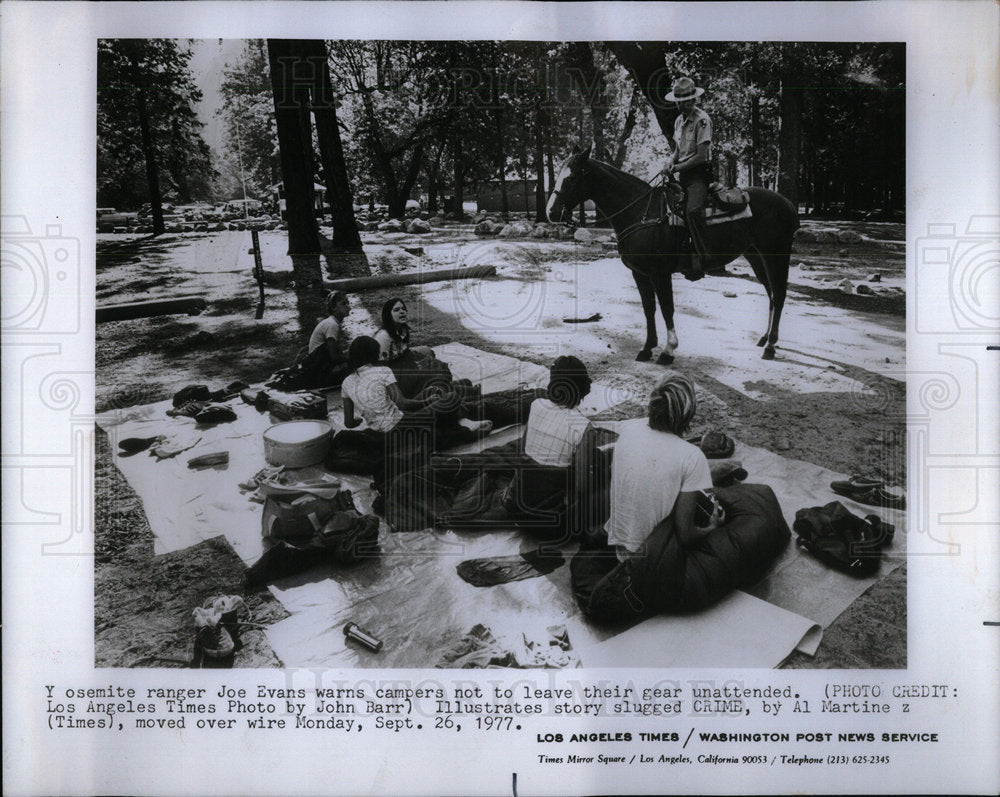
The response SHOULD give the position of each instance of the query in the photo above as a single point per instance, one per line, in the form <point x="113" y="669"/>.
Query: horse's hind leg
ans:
<point x="772" y="271"/>
<point x="648" y="296"/>
<point x="760" y="272"/>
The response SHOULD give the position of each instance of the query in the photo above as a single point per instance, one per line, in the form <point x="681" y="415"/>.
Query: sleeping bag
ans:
<point x="669" y="578"/>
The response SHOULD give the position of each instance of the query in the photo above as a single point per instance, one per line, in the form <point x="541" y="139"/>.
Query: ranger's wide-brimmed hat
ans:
<point x="684" y="89"/>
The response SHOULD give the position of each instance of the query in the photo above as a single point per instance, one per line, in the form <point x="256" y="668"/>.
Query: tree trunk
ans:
<point x="459" y="173"/>
<point x="589" y="82"/>
<point x="583" y="211"/>
<point x="626" y="132"/>
<point x="499" y="132"/>
<point x="148" y="151"/>
<point x="789" y="138"/>
<point x="523" y="170"/>
<point x="539" y="166"/>
<point x="502" y="170"/>
<point x="291" y="103"/>
<point x="412" y="173"/>
<point x="755" y="178"/>
<point x="645" y="63"/>
<point x="331" y="148"/>
<point x="432" y="190"/>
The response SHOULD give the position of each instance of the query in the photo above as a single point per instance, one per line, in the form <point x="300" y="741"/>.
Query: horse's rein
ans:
<point x="645" y="222"/>
<point x="648" y="196"/>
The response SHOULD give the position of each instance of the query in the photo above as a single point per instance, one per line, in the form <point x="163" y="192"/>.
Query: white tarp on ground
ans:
<point x="412" y="597"/>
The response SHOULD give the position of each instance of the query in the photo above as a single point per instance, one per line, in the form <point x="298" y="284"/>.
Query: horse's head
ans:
<point x="569" y="191"/>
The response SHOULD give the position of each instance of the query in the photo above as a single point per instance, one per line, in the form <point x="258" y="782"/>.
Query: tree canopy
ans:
<point x="823" y="123"/>
<point x="149" y="142"/>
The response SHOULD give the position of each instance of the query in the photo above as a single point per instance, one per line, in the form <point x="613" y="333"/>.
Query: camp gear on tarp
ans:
<point x="296" y="444"/>
<point x="842" y="540"/>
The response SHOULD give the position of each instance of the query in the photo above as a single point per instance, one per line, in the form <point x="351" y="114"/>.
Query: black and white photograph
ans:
<point x="500" y="397"/>
<point x="500" y="354"/>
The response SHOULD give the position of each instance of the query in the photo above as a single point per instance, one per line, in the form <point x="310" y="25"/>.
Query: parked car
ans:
<point x="108" y="222"/>
<point x="235" y="208"/>
<point x="146" y="211"/>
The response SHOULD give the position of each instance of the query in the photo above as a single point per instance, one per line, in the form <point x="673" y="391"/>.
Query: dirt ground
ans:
<point x="832" y="336"/>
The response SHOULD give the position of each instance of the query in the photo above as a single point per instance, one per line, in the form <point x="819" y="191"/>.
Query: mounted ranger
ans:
<point x="651" y="241"/>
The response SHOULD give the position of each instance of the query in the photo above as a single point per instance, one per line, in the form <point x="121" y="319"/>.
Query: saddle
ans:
<point x="723" y="203"/>
<point x="666" y="203"/>
<point x="729" y="200"/>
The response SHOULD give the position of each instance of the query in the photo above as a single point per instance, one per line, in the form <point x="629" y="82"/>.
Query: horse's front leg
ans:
<point x="648" y="296"/>
<point x="665" y="293"/>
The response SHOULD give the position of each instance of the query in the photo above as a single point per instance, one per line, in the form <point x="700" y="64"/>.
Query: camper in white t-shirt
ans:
<point x="655" y="471"/>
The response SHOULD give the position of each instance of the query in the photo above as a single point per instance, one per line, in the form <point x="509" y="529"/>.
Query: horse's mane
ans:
<point x="638" y="182"/>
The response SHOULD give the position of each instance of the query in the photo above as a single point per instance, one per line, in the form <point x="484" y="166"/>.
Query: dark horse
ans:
<point x="651" y="248"/>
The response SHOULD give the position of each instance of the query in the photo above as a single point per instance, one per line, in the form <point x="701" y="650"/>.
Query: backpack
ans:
<point x="842" y="540"/>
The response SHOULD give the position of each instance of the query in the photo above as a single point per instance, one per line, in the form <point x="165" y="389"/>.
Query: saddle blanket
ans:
<point x="712" y="216"/>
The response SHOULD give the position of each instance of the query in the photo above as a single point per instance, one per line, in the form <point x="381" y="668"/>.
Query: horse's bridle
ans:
<point x="633" y="228"/>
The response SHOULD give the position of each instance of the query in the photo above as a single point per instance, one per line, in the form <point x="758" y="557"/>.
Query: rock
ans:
<point x="392" y="225"/>
<point x="729" y="294"/>
<point x="865" y="290"/>
<point x="604" y="239"/>
<point x="436" y="221"/>
<point x="485" y="227"/>
<point x="802" y="234"/>
<point x="826" y="237"/>
<point x="418" y="227"/>
<point x="418" y="251"/>
<point x="876" y="277"/>
<point x="515" y="229"/>
<point x="849" y="237"/>
<point x="540" y="231"/>
<point x="583" y="235"/>
<point x="846" y="286"/>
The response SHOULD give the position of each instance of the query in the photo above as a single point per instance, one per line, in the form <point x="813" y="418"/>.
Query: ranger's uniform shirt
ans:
<point x="690" y="132"/>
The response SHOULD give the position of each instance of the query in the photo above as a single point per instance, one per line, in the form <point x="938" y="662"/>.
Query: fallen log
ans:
<point x="408" y="278"/>
<point x="192" y="305"/>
